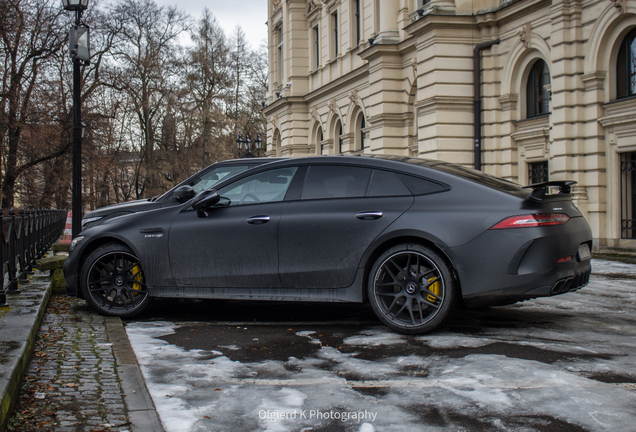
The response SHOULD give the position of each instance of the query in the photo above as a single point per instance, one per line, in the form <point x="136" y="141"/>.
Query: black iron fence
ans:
<point x="24" y="238"/>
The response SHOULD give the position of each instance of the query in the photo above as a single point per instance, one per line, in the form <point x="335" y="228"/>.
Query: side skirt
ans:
<point x="351" y="294"/>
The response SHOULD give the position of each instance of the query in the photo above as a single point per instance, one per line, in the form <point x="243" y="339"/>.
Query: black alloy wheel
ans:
<point x="113" y="282"/>
<point x="412" y="289"/>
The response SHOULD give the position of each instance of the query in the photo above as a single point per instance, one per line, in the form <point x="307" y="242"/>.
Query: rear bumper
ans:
<point x="505" y="266"/>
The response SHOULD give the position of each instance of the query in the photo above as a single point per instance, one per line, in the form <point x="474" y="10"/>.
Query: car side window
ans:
<point x="328" y="181"/>
<point x="268" y="186"/>
<point x="214" y="176"/>
<point x="420" y="186"/>
<point x="387" y="183"/>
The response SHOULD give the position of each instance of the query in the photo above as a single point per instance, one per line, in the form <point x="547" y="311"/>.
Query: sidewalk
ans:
<point x="82" y="375"/>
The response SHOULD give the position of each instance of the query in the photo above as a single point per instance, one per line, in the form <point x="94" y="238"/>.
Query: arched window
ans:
<point x="277" y="141"/>
<point x="537" y="95"/>
<point x="626" y="67"/>
<point x="320" y="138"/>
<point x="359" y="132"/>
<point x="362" y="126"/>
<point x="338" y="136"/>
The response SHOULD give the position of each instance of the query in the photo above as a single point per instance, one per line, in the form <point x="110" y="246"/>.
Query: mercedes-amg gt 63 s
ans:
<point x="414" y="237"/>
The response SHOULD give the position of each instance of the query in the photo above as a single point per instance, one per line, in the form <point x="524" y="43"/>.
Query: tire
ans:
<point x="113" y="282"/>
<point x="412" y="289"/>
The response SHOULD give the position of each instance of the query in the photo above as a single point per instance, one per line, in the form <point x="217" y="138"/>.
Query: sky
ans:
<point x="251" y="15"/>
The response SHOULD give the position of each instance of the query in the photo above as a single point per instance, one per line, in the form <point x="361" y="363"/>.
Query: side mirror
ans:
<point x="204" y="200"/>
<point x="184" y="193"/>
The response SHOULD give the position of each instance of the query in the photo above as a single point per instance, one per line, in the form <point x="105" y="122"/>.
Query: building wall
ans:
<point x="411" y="78"/>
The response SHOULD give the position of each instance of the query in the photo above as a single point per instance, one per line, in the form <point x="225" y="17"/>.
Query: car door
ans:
<point x="236" y="244"/>
<point x="324" y="234"/>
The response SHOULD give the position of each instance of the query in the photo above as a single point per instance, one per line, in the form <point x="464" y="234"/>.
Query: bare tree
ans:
<point x="157" y="110"/>
<point x="249" y="73"/>
<point x="239" y="58"/>
<point x="31" y="34"/>
<point x="208" y="81"/>
<point x="144" y="55"/>
<point x="257" y="92"/>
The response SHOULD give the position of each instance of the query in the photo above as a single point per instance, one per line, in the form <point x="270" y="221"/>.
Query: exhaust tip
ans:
<point x="561" y="286"/>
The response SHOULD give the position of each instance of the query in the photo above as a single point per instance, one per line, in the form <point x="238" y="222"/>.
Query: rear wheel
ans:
<point x="113" y="282"/>
<point x="412" y="290"/>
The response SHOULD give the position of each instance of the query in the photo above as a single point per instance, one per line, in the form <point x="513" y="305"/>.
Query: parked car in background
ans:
<point x="187" y="189"/>
<point x="413" y="237"/>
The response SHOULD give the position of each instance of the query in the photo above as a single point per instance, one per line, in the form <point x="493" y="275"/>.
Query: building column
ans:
<point x="571" y="151"/>
<point x="388" y="33"/>
<point x="385" y="101"/>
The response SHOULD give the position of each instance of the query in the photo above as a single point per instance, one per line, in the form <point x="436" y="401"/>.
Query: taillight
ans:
<point x="532" y="220"/>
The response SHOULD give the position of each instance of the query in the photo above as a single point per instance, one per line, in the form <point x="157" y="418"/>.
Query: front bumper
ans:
<point x="71" y="266"/>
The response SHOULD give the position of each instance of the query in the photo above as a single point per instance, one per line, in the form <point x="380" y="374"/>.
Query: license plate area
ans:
<point x="584" y="252"/>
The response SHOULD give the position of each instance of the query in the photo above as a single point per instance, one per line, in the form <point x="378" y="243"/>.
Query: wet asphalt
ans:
<point x="555" y="364"/>
<point x="255" y="327"/>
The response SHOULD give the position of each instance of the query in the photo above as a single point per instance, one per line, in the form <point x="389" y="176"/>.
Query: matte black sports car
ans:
<point x="187" y="189"/>
<point x="414" y="237"/>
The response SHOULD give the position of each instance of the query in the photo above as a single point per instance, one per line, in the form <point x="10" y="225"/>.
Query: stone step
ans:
<point x="51" y="263"/>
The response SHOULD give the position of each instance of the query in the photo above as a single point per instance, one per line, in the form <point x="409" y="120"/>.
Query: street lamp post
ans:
<point x="240" y="143"/>
<point x="79" y="51"/>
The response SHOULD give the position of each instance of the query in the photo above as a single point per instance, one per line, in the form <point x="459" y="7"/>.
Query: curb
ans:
<point x="141" y="409"/>
<point x="19" y="328"/>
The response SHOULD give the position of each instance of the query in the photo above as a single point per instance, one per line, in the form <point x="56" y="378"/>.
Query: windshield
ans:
<point x="214" y="176"/>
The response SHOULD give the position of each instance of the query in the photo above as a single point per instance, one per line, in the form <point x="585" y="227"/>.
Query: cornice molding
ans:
<point x="594" y="80"/>
<point x="528" y="134"/>
<point x="508" y="101"/>
<point x="618" y="119"/>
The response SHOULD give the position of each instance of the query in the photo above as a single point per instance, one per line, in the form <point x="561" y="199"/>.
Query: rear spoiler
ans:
<point x="539" y="189"/>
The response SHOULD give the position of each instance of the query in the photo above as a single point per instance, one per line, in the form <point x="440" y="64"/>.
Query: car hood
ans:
<point x="126" y="225"/>
<point x="125" y="207"/>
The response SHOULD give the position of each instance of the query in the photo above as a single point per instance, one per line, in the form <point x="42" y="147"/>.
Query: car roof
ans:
<point x="435" y="169"/>
<point x="248" y="161"/>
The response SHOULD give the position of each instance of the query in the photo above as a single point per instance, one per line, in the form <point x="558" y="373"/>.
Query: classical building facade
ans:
<point x="527" y="90"/>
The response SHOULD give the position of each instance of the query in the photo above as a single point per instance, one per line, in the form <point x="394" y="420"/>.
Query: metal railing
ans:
<point x="24" y="238"/>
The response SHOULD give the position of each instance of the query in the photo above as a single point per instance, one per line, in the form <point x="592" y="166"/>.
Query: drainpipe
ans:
<point x="477" y="102"/>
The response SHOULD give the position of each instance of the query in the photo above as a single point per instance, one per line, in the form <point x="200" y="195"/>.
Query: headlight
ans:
<point x="75" y="242"/>
<point x="91" y="219"/>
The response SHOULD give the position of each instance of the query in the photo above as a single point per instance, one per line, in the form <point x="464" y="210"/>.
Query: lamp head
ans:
<point x="75" y="5"/>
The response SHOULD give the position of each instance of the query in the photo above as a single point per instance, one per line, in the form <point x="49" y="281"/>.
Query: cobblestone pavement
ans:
<point x="71" y="383"/>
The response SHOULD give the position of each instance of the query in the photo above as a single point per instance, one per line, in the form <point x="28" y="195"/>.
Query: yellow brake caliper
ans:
<point x="436" y="289"/>
<point x="137" y="270"/>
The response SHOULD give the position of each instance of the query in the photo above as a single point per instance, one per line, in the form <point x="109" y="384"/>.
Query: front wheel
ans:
<point x="113" y="282"/>
<point x="412" y="290"/>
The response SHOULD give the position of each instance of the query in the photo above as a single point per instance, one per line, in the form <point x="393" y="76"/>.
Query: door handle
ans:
<point x="369" y="215"/>
<point x="256" y="220"/>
